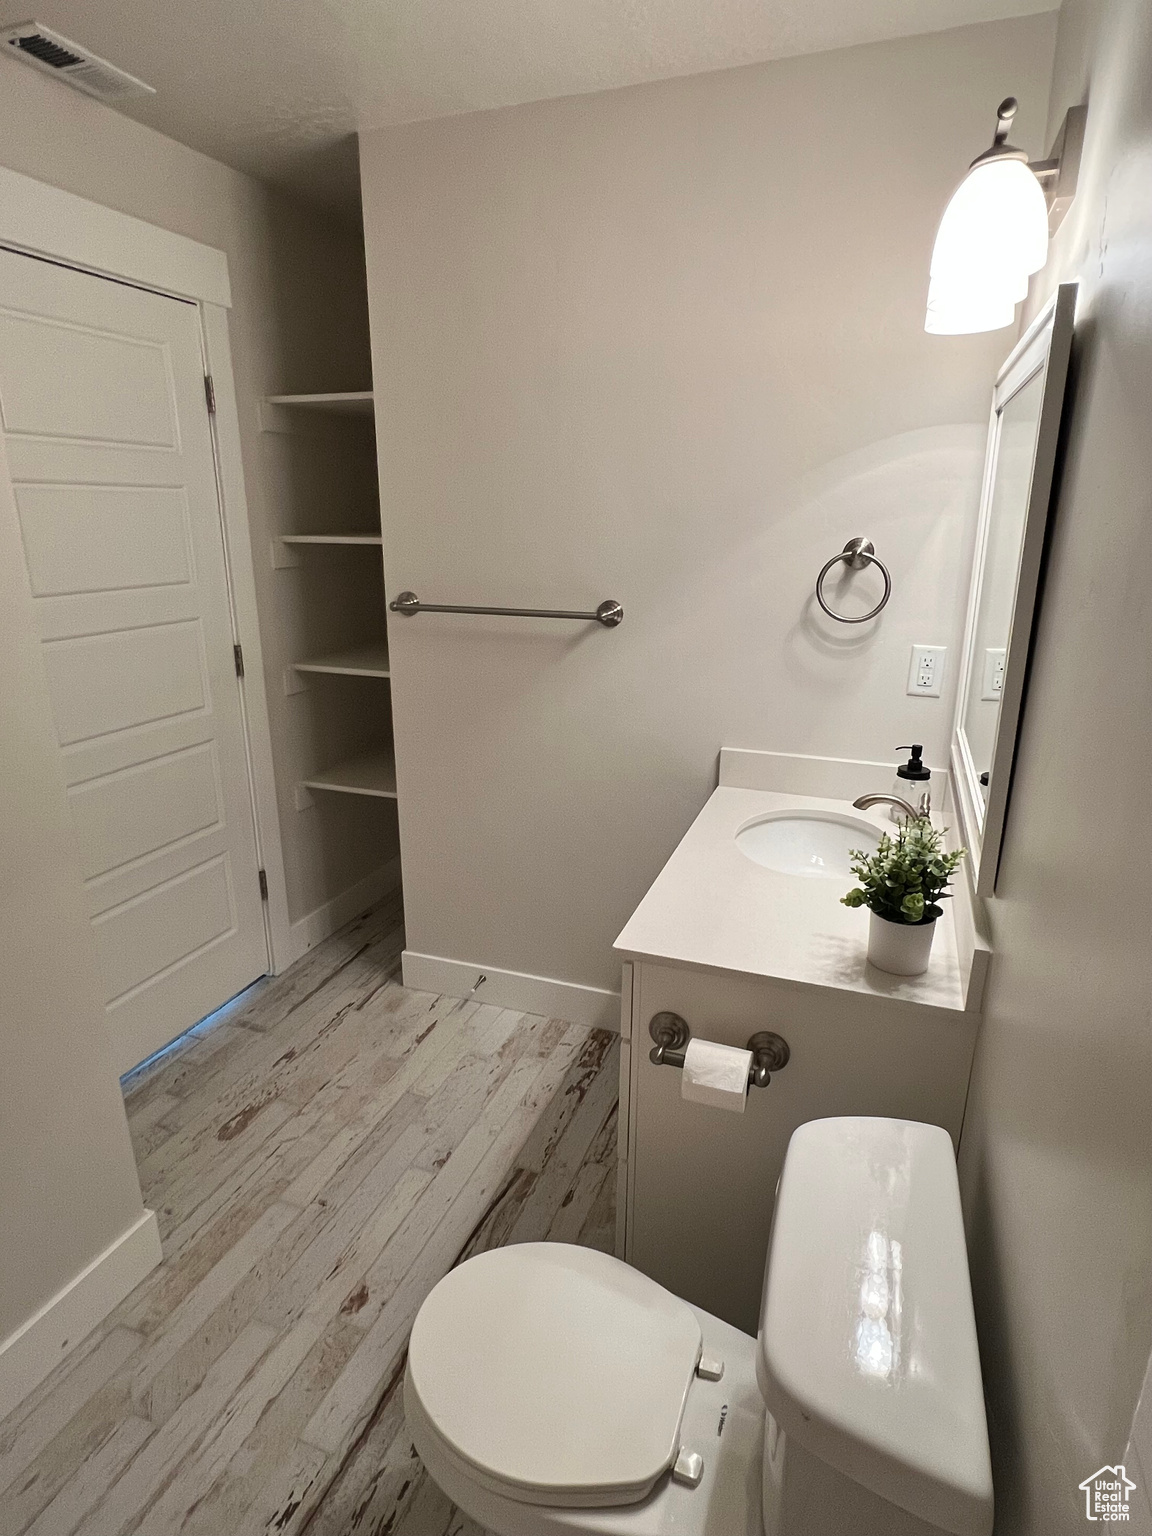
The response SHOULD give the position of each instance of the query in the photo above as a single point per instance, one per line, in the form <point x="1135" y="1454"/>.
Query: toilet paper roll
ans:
<point x="716" y="1075"/>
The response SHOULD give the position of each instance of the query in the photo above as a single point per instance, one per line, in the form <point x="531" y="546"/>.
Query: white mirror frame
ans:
<point x="1044" y="348"/>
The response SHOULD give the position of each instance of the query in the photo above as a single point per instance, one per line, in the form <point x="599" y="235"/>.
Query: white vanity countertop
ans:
<point x="713" y="906"/>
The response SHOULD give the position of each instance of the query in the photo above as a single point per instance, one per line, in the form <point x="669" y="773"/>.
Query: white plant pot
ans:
<point x="903" y="949"/>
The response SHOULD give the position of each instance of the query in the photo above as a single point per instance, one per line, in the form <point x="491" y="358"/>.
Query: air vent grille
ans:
<point x="55" y="55"/>
<point x="47" y="52"/>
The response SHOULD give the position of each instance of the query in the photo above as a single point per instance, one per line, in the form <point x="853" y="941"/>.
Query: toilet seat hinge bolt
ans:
<point x="688" y="1469"/>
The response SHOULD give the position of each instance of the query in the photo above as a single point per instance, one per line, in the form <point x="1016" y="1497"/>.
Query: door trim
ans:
<point x="47" y="221"/>
<point x="40" y="220"/>
<point x="242" y="589"/>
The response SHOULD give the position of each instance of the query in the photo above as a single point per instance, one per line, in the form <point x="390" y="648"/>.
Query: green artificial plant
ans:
<point x="907" y="877"/>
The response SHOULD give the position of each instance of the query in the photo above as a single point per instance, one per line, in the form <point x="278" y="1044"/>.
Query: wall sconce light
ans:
<point x="995" y="230"/>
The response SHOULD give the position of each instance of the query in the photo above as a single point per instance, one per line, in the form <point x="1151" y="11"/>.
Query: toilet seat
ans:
<point x="551" y="1374"/>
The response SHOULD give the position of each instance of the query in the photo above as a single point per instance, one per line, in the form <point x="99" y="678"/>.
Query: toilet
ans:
<point x="555" y="1389"/>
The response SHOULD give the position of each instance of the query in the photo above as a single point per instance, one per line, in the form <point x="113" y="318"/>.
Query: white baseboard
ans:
<point x="38" y="1345"/>
<point x="306" y="932"/>
<point x="593" y="1006"/>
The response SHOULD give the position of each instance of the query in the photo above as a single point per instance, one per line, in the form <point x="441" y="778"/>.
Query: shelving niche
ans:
<point x="323" y="464"/>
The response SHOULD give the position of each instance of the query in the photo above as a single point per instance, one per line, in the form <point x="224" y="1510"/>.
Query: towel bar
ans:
<point x="609" y="613"/>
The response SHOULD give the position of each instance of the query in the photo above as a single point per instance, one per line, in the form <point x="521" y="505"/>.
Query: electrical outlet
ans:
<point x="993" y="682"/>
<point x="926" y="670"/>
<point x="303" y="797"/>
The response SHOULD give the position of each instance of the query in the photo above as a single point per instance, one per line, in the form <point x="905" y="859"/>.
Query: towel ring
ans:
<point x="856" y="554"/>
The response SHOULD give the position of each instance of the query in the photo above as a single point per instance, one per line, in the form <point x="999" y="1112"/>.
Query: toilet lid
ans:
<point x="554" y="1374"/>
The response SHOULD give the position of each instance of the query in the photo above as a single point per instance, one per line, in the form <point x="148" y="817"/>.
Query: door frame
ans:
<point x="40" y="220"/>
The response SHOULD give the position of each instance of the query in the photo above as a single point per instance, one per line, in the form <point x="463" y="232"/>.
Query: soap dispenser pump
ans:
<point x="912" y="778"/>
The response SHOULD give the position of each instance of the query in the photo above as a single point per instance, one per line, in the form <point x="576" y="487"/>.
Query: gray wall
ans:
<point x="1056" y="1159"/>
<point x="665" y="344"/>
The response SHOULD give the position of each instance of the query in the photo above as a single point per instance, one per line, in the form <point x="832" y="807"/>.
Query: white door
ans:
<point x="103" y="410"/>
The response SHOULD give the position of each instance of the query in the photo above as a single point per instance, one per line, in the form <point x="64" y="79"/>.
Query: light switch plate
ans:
<point x="926" y="670"/>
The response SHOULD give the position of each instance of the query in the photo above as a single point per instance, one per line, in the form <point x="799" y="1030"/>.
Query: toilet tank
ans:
<point x="867" y="1356"/>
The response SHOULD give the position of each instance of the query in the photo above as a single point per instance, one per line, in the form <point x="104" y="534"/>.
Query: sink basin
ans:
<point x="812" y="844"/>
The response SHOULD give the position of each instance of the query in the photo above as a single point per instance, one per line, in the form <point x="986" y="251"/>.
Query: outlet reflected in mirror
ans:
<point x="1019" y="421"/>
<point x="1027" y="403"/>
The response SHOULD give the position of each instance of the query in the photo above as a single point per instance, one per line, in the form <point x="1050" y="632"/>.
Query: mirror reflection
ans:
<point x="1012" y="476"/>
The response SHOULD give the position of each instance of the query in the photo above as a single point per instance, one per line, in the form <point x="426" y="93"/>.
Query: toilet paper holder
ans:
<point x="770" y="1052"/>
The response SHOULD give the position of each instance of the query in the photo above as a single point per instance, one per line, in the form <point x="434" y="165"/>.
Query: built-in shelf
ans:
<point x="369" y="773"/>
<point x="356" y="402"/>
<point x="331" y="538"/>
<point x="294" y="413"/>
<point x="323" y="425"/>
<point x="358" y="661"/>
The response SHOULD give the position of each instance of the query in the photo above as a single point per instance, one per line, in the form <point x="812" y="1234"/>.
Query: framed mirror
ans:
<point x="1022" y="436"/>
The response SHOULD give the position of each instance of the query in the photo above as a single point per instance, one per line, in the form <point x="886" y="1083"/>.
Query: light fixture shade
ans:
<point x="975" y="284"/>
<point x="958" y="314"/>
<point x="995" y="228"/>
<point x="977" y="302"/>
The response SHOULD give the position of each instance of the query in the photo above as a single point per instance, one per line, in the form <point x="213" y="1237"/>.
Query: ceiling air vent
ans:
<point x="58" y="56"/>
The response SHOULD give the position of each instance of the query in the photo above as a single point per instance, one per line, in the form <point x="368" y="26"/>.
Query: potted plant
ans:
<point x="902" y="884"/>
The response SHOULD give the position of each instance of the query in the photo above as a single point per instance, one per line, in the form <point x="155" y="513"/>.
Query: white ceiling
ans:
<point x="278" y="87"/>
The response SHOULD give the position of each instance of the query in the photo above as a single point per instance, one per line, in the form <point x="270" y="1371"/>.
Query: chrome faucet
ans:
<point x="865" y="803"/>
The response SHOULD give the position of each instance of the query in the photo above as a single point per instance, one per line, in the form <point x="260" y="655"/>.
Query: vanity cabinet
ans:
<point x="736" y="942"/>
<point x="699" y="1182"/>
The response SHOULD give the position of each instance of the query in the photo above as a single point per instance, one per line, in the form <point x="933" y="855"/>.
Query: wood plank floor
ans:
<point x="318" y="1157"/>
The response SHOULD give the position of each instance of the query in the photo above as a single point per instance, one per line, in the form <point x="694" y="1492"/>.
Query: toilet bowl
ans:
<point x="554" y="1389"/>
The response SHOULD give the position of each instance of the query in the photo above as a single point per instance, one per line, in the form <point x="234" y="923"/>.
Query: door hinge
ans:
<point x="262" y="876"/>
<point x="238" y="658"/>
<point x="210" y="394"/>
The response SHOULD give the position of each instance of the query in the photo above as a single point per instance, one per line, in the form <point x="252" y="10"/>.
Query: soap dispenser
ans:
<point x="912" y="779"/>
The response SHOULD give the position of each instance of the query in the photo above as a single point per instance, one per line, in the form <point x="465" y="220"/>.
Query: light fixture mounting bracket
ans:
<point x="1059" y="172"/>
